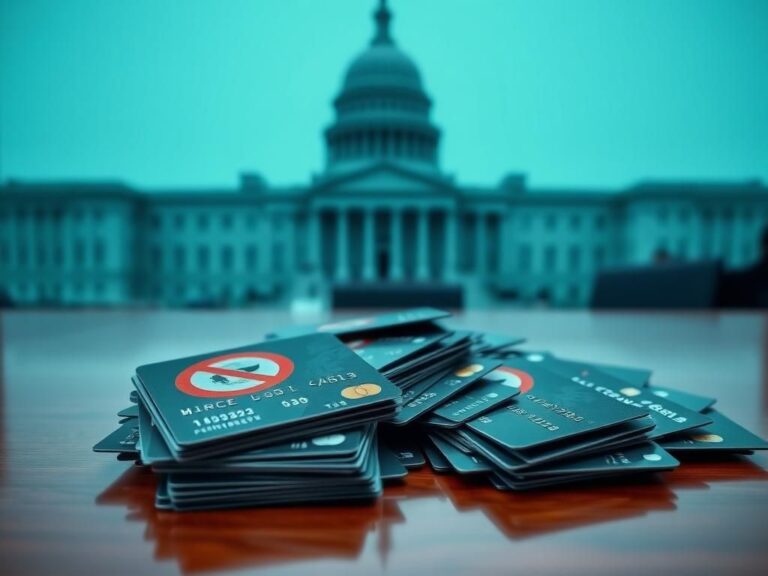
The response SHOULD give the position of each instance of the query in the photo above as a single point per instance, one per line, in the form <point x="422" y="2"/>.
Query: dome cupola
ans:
<point x="382" y="111"/>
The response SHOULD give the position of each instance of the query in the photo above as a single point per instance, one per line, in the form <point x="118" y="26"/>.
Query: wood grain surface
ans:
<point x="67" y="510"/>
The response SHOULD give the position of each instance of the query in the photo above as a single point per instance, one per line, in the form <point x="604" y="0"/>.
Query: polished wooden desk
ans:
<point x="66" y="510"/>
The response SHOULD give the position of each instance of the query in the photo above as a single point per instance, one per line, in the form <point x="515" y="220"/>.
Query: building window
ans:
<point x="202" y="221"/>
<point x="98" y="215"/>
<point x="178" y="221"/>
<point x="179" y="258"/>
<point x="251" y="257"/>
<point x="79" y="253"/>
<point x="574" y="259"/>
<point x="226" y="221"/>
<point x="157" y="222"/>
<point x="203" y="258"/>
<point x="599" y="256"/>
<point x="42" y="255"/>
<point x="600" y="221"/>
<point x="575" y="221"/>
<point x="99" y="252"/>
<point x="550" y="259"/>
<point x="550" y="222"/>
<point x="524" y="258"/>
<point x="58" y="255"/>
<point x="226" y="258"/>
<point x="157" y="257"/>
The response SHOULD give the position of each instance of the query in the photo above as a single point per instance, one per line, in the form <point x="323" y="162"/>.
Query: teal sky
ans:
<point x="164" y="93"/>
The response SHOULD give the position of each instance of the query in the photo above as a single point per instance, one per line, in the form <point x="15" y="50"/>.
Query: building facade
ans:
<point x="382" y="210"/>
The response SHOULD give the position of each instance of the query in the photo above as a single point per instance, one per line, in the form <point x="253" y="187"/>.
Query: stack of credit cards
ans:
<point x="330" y="412"/>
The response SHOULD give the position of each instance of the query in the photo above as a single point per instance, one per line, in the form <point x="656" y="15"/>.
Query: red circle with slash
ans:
<point x="513" y="378"/>
<point x="185" y="380"/>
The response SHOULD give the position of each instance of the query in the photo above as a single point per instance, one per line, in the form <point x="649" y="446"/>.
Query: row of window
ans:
<point x="57" y="292"/>
<point x="553" y="221"/>
<point x="41" y="216"/>
<point x="205" y="258"/>
<point x="573" y="257"/>
<point x="79" y="253"/>
<point x="179" y="221"/>
<point x="681" y="248"/>
<point x="382" y="143"/>
<point x="667" y="215"/>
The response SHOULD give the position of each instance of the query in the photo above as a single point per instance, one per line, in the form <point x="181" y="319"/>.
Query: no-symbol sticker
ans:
<point x="234" y="374"/>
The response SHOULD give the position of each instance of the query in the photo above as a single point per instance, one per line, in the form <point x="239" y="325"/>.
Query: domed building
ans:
<point x="381" y="213"/>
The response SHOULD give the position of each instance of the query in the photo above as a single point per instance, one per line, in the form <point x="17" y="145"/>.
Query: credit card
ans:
<point x="384" y="353"/>
<point x="390" y="467"/>
<point x="452" y="383"/>
<point x="437" y="461"/>
<point x="691" y="401"/>
<point x="640" y="459"/>
<point x="723" y="435"/>
<point x="461" y="462"/>
<point x="272" y="386"/>
<point x="131" y="411"/>
<point x="669" y="416"/>
<point x="498" y="387"/>
<point x="550" y="408"/>
<point x="122" y="440"/>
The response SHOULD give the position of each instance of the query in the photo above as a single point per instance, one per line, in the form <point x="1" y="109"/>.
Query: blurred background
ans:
<point x="360" y="153"/>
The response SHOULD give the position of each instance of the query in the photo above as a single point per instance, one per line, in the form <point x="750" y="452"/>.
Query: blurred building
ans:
<point x="382" y="211"/>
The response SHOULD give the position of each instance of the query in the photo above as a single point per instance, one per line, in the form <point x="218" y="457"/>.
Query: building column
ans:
<point x="481" y="244"/>
<point x="422" y="245"/>
<point x="342" y="243"/>
<point x="290" y="245"/>
<point x="313" y="240"/>
<point x="369" y="239"/>
<point x="396" y="245"/>
<point x="265" y="258"/>
<point x="505" y="250"/>
<point x="449" y="268"/>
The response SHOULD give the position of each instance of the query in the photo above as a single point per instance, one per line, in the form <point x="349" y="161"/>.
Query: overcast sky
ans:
<point x="165" y="93"/>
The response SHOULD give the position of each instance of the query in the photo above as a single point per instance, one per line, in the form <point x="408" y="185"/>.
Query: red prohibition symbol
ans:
<point x="513" y="378"/>
<point x="234" y="374"/>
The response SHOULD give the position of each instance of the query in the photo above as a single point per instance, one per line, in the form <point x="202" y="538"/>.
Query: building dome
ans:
<point x="383" y="66"/>
<point x="382" y="110"/>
